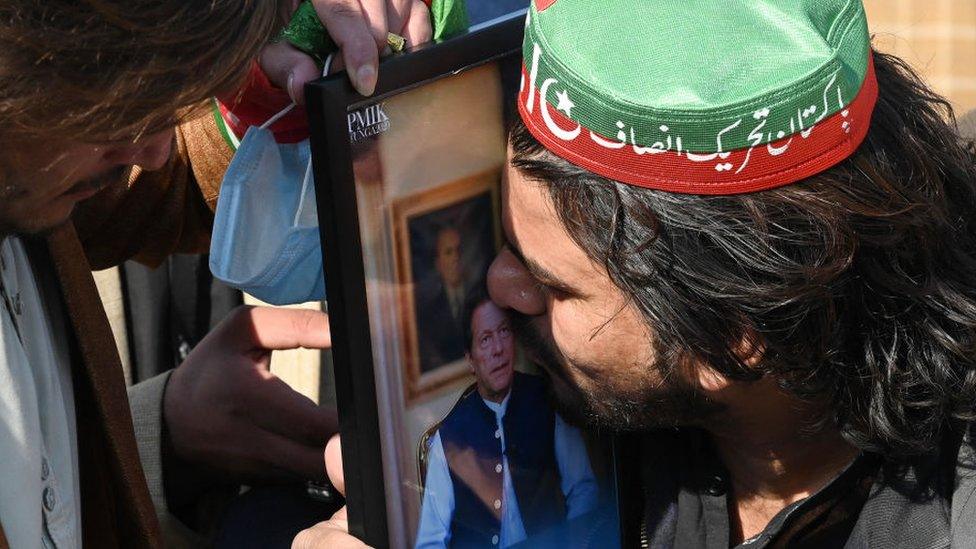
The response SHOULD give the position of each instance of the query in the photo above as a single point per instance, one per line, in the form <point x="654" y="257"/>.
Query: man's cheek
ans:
<point x="571" y="342"/>
<point x="561" y="332"/>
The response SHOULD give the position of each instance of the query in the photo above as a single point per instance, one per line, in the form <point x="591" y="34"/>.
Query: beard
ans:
<point x="666" y="403"/>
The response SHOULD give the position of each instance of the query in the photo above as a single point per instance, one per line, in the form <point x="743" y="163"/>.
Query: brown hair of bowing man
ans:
<point x="108" y="151"/>
<point x="770" y="280"/>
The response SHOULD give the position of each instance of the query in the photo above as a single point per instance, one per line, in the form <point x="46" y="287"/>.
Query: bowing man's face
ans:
<point x="575" y="323"/>
<point x="42" y="182"/>
<point x="492" y="354"/>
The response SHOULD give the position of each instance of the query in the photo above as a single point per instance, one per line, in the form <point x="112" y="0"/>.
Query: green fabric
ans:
<point x="307" y="33"/>
<point x="699" y="67"/>
<point x="448" y="17"/>
<point x="225" y="132"/>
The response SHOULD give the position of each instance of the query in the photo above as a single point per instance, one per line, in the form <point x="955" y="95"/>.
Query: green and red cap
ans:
<point x="699" y="96"/>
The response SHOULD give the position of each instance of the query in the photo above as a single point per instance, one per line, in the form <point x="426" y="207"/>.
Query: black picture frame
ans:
<point x="328" y="102"/>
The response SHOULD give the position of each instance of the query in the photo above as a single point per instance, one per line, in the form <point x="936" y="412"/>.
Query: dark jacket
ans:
<point x="440" y="335"/>
<point x="929" y="502"/>
<point x="474" y="457"/>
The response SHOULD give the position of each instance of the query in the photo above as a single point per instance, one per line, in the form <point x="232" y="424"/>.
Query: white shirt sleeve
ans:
<point x="578" y="482"/>
<point x="438" y="505"/>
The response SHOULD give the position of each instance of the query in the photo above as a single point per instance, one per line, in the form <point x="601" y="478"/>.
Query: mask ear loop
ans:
<point x="278" y="116"/>
<point x="308" y="169"/>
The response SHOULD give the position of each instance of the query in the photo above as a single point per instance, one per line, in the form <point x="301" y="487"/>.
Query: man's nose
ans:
<point x="512" y="286"/>
<point x="149" y="153"/>
<point x="496" y="346"/>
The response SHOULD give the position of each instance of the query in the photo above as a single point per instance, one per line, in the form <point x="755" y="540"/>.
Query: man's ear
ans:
<point x="749" y="350"/>
<point x="711" y="381"/>
<point x="467" y="356"/>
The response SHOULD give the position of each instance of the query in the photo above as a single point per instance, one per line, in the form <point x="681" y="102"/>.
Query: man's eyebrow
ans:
<point x="542" y="274"/>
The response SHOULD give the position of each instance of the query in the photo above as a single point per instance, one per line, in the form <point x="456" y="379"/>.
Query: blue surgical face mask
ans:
<point x="266" y="236"/>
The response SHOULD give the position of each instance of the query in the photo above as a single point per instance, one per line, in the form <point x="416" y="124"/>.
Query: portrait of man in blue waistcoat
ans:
<point x="503" y="466"/>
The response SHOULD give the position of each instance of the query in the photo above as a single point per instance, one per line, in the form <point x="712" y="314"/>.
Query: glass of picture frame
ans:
<point x="445" y="427"/>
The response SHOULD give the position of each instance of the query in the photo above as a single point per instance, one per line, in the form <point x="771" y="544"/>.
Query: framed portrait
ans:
<point x="445" y="238"/>
<point x="408" y="186"/>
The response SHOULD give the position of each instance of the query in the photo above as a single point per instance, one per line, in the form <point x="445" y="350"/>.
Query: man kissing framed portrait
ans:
<point x="439" y="411"/>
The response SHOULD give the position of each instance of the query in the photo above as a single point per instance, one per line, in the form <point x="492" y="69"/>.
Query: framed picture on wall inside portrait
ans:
<point x="445" y="238"/>
<point x="408" y="190"/>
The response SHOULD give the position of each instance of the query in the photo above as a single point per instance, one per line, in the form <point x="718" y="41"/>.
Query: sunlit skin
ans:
<point x="601" y="342"/>
<point x="492" y="354"/>
<point x="42" y="182"/>
<point x="448" y="261"/>
<point x="603" y="350"/>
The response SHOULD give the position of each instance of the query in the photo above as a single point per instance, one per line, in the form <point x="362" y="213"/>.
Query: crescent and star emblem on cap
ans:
<point x="564" y="105"/>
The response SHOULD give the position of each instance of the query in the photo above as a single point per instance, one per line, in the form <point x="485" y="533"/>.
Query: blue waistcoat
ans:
<point x="474" y="457"/>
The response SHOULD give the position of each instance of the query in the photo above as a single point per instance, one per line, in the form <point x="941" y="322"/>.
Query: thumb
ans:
<point x="333" y="464"/>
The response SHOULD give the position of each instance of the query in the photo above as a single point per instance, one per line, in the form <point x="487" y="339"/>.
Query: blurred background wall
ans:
<point x="938" y="37"/>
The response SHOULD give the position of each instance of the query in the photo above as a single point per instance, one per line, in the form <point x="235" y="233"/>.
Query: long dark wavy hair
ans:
<point x="857" y="284"/>
<point x="112" y="70"/>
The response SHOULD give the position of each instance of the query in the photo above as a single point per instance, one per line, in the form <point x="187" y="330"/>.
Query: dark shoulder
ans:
<point x="465" y="405"/>
<point x="529" y="383"/>
<point x="669" y="444"/>
<point x="428" y="289"/>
